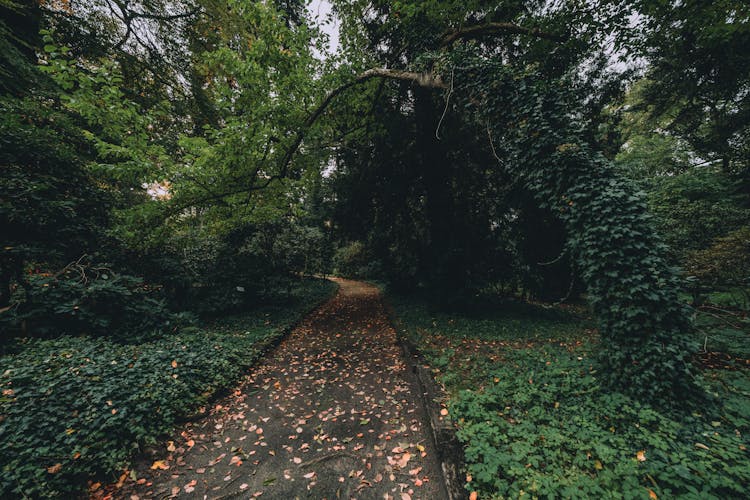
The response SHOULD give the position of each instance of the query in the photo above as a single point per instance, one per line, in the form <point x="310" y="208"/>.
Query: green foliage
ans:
<point x="698" y="71"/>
<point x="526" y="395"/>
<point x="50" y="206"/>
<point x="621" y="261"/>
<point x="354" y="261"/>
<point x="88" y="404"/>
<point x="724" y="265"/>
<point x="546" y="427"/>
<point x="694" y="208"/>
<point x="91" y="299"/>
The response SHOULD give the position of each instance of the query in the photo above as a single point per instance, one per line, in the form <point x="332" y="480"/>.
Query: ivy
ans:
<point x="631" y="287"/>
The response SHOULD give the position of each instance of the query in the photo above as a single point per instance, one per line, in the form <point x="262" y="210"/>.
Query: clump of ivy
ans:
<point x="543" y="425"/>
<point x="631" y="287"/>
<point x="536" y="419"/>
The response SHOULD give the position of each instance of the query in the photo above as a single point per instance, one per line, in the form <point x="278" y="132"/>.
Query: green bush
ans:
<point x="90" y="299"/>
<point x="725" y="265"/>
<point x="79" y="407"/>
<point x="354" y="261"/>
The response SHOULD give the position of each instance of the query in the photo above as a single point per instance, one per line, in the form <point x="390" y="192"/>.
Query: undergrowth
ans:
<point x="526" y="397"/>
<point x="78" y="408"/>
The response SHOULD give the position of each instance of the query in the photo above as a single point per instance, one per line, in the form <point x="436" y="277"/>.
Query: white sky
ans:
<point x="320" y="11"/>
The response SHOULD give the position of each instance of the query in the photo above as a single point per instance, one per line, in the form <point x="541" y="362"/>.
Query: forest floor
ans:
<point x="332" y="412"/>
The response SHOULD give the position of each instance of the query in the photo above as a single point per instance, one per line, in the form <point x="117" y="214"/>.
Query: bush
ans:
<point x="354" y="261"/>
<point x="75" y="408"/>
<point x="723" y="265"/>
<point x="90" y="299"/>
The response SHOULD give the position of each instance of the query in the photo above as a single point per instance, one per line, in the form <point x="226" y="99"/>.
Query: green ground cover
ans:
<point x="77" y="408"/>
<point x="525" y="396"/>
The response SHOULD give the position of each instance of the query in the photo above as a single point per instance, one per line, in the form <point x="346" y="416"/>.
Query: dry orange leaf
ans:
<point x="652" y="495"/>
<point x="159" y="464"/>
<point x="473" y="495"/>
<point x="641" y="456"/>
<point x="174" y="363"/>
<point x="444" y="412"/>
<point x="190" y="443"/>
<point x="404" y="460"/>
<point x="54" y="469"/>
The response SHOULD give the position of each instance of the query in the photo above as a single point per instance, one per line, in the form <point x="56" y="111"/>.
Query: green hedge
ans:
<point x="75" y="408"/>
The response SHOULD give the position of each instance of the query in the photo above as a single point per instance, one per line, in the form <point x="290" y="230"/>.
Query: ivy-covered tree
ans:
<point x="514" y="75"/>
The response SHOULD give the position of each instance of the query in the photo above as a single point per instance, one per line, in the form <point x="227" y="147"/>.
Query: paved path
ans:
<point x="330" y="413"/>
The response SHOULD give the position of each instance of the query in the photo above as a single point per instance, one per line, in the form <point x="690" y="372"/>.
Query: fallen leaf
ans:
<point x="190" y="487"/>
<point x="641" y="456"/>
<point x="54" y="469"/>
<point x="401" y="462"/>
<point x="171" y="446"/>
<point x="244" y="486"/>
<point x="473" y="495"/>
<point x="444" y="412"/>
<point x="159" y="464"/>
<point x="190" y="443"/>
<point x="309" y="475"/>
<point x="652" y="495"/>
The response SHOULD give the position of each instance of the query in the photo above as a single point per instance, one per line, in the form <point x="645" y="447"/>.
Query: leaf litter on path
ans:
<point x="330" y="412"/>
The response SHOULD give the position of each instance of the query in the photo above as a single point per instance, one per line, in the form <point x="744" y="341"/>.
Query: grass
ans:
<point x="76" y="409"/>
<point x="524" y="395"/>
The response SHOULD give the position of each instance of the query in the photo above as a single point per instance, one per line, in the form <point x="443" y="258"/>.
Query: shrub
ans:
<point x="86" y="298"/>
<point x="723" y="265"/>
<point x="354" y="261"/>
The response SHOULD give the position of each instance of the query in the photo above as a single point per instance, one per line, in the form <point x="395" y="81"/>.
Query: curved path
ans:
<point x="330" y="413"/>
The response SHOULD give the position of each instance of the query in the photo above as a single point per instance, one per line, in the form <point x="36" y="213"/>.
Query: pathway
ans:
<point x="330" y="413"/>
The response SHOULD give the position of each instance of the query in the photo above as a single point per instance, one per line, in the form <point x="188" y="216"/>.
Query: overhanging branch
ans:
<point x="428" y="80"/>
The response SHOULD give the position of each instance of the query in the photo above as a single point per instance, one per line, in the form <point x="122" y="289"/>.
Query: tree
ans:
<point x="521" y="80"/>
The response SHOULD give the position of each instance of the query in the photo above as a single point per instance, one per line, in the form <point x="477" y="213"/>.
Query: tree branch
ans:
<point x="481" y="30"/>
<point x="428" y="80"/>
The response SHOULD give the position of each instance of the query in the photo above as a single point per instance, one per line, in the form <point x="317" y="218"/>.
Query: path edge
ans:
<point x="449" y="448"/>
